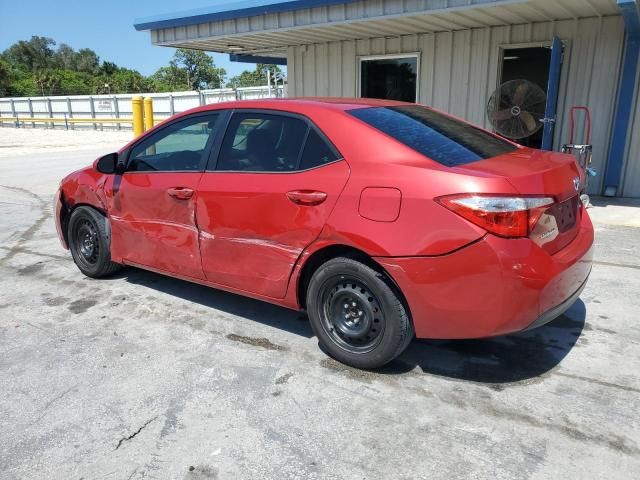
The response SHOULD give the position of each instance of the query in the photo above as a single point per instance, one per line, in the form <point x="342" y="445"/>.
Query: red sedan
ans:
<point x="384" y="220"/>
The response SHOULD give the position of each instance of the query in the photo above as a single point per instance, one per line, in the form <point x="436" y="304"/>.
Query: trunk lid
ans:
<point x="541" y="173"/>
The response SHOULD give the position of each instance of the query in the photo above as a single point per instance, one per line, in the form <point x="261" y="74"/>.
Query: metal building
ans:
<point x="449" y="54"/>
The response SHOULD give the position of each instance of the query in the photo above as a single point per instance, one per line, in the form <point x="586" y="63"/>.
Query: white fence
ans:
<point x="118" y="106"/>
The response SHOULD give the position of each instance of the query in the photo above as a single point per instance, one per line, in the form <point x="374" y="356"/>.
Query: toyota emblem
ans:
<point x="576" y="183"/>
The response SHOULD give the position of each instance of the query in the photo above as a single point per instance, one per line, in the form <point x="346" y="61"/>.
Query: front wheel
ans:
<point x="90" y="242"/>
<point x="356" y="315"/>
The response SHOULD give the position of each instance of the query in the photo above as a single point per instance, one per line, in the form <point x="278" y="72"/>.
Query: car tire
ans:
<point x="90" y="242"/>
<point x="356" y="314"/>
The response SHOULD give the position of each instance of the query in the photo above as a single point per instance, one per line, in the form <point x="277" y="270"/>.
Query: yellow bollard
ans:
<point x="138" y="125"/>
<point x="148" y="113"/>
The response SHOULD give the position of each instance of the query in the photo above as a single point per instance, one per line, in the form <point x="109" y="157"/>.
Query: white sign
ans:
<point x="104" y="105"/>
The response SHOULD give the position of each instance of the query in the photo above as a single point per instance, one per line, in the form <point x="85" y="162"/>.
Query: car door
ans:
<point x="153" y="202"/>
<point x="275" y="182"/>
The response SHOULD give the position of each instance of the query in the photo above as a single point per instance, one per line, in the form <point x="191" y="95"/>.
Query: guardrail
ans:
<point x="141" y="121"/>
<point x="20" y="121"/>
<point x="118" y="106"/>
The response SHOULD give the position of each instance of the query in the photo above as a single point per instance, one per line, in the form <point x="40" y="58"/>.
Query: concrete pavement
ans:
<point x="143" y="376"/>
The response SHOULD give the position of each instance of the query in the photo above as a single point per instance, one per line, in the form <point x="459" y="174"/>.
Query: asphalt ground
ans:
<point x="144" y="376"/>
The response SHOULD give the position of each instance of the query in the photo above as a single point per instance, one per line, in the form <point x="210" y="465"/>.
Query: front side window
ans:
<point x="178" y="147"/>
<point x="440" y="137"/>
<point x="262" y="142"/>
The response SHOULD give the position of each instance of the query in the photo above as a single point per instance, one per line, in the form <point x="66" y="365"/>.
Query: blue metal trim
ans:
<point x="553" y="84"/>
<point x="229" y="11"/>
<point x="234" y="57"/>
<point x="613" y="172"/>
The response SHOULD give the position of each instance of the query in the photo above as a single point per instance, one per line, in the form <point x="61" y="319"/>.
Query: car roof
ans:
<point x="307" y="106"/>
<point x="302" y="104"/>
<point x="347" y="102"/>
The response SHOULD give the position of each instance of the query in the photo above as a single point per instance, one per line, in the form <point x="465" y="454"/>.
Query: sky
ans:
<point x="104" y="26"/>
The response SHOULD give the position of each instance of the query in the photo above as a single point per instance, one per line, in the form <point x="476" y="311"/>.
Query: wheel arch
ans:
<point x="328" y="252"/>
<point x="77" y="190"/>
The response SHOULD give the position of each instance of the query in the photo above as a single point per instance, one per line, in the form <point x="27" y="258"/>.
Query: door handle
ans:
<point x="306" y="197"/>
<point x="181" y="193"/>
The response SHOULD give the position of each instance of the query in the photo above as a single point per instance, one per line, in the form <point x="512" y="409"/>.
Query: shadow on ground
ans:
<point x="507" y="359"/>
<point x="499" y="360"/>
<point x="617" y="201"/>
<point x="245" y="307"/>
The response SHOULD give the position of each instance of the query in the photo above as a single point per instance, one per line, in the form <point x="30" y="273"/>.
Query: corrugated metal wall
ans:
<point x="459" y="71"/>
<point x="631" y="185"/>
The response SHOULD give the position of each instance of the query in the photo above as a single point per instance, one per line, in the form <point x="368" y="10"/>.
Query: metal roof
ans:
<point x="268" y="27"/>
<point x="228" y="11"/>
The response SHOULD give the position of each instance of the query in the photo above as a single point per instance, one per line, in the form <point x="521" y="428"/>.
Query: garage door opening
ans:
<point x="532" y="64"/>
<point x="389" y="77"/>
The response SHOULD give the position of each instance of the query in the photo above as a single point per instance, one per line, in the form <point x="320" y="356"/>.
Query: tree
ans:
<point x="34" y="54"/>
<point x="171" y="78"/>
<point x="23" y="86"/>
<point x="270" y="68"/>
<point x="199" y="67"/>
<point x="5" y="78"/>
<point x="87" y="61"/>
<point x="255" y="78"/>
<point x="35" y="67"/>
<point x="47" y="81"/>
<point x="74" y="83"/>
<point x="109" y="68"/>
<point x="129" y="81"/>
<point x="65" y="57"/>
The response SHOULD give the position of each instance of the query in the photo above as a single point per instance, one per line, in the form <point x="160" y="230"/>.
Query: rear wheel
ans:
<point x="90" y="242"/>
<point x="356" y="315"/>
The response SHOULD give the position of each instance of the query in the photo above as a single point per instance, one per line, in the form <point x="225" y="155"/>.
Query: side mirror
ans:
<point x="107" y="163"/>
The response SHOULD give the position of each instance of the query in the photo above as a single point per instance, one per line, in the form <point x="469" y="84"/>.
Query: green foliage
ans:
<point x="199" y="68"/>
<point x="31" y="55"/>
<point x="247" y="79"/>
<point x="87" y="61"/>
<point x="170" y="79"/>
<point x="23" y="87"/>
<point x="70" y="81"/>
<point x="130" y="81"/>
<point x="255" y="78"/>
<point x="5" y="78"/>
<point x="36" y="67"/>
<point x="109" y="68"/>
<point x="65" y="57"/>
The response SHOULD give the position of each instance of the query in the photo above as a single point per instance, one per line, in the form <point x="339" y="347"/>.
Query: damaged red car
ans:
<point x="383" y="220"/>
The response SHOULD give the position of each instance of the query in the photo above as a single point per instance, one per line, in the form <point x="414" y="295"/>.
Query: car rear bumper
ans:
<point x="494" y="286"/>
<point x="558" y="310"/>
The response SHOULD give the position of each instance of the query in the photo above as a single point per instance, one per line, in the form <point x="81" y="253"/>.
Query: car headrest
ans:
<point x="261" y="142"/>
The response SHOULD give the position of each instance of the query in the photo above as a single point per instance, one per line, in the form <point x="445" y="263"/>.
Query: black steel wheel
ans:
<point x="86" y="242"/>
<point x="357" y="315"/>
<point x="352" y="315"/>
<point x="89" y="242"/>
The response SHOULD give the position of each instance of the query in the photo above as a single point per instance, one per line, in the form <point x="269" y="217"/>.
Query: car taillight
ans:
<point x="503" y="216"/>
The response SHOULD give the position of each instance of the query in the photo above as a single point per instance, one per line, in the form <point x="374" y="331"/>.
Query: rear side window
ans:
<point x="443" y="139"/>
<point x="316" y="152"/>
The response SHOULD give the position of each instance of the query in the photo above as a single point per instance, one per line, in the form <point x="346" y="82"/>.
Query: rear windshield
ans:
<point x="444" y="139"/>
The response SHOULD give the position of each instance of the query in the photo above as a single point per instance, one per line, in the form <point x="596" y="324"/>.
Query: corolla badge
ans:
<point x="576" y="183"/>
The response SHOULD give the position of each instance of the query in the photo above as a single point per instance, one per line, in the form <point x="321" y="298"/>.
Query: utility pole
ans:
<point x="268" y="82"/>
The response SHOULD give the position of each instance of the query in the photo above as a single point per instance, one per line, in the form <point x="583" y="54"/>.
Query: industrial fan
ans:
<point x="516" y="109"/>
